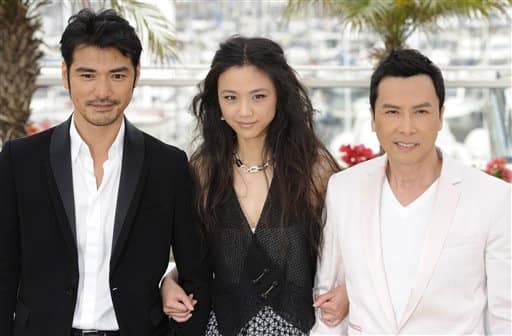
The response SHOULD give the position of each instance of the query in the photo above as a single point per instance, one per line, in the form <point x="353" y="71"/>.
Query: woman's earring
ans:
<point x="222" y="117"/>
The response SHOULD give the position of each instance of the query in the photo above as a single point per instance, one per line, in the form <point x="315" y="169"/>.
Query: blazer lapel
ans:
<point x="60" y="166"/>
<point x="371" y="237"/>
<point x="133" y="157"/>
<point x="444" y="209"/>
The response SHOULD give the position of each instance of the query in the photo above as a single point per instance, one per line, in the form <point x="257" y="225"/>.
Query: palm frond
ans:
<point x="33" y="7"/>
<point x="10" y="8"/>
<point x="432" y="9"/>
<point x="395" y="20"/>
<point x="36" y="4"/>
<point x="296" y="7"/>
<point x="153" y="27"/>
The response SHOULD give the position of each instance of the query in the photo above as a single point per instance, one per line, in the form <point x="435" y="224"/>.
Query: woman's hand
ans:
<point x="176" y="303"/>
<point x="333" y="306"/>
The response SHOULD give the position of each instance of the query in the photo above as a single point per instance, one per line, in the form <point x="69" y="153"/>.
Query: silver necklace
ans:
<point x="248" y="169"/>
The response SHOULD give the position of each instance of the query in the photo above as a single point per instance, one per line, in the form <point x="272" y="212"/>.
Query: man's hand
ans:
<point x="176" y="303"/>
<point x="333" y="306"/>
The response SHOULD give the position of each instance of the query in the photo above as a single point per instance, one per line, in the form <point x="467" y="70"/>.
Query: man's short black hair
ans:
<point x="406" y="63"/>
<point x="103" y="30"/>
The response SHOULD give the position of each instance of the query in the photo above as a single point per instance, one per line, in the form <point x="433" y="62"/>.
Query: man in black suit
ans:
<point x="89" y="209"/>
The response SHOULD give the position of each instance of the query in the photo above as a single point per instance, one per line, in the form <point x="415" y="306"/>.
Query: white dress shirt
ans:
<point x="95" y="212"/>
<point x="402" y="233"/>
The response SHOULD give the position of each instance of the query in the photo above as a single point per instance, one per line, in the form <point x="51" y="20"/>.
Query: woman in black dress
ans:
<point x="261" y="174"/>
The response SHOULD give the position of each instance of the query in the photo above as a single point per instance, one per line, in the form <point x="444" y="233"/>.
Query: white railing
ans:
<point x="478" y="117"/>
<point x="311" y="75"/>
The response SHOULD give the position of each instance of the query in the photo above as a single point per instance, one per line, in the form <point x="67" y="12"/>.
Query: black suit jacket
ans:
<point x="38" y="252"/>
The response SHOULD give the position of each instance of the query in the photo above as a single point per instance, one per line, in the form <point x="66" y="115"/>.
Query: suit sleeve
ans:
<point x="190" y="257"/>
<point x="498" y="271"/>
<point x="9" y="242"/>
<point x="330" y="272"/>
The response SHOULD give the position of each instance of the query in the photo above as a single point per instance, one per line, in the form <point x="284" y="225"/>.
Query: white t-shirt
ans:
<point x="402" y="234"/>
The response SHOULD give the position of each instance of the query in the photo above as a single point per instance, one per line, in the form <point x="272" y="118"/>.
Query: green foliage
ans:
<point x="155" y="31"/>
<point x="395" y="20"/>
<point x="10" y="9"/>
<point x="154" y="28"/>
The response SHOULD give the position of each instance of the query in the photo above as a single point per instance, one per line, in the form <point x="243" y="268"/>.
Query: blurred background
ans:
<point x="330" y="46"/>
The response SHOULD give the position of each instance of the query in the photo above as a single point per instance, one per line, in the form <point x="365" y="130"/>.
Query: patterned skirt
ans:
<point x="265" y="323"/>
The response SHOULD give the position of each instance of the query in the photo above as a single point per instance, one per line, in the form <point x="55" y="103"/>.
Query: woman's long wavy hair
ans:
<point x="290" y="142"/>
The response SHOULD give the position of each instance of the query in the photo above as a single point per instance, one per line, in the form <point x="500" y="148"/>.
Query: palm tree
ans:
<point x="395" y="20"/>
<point x="20" y="53"/>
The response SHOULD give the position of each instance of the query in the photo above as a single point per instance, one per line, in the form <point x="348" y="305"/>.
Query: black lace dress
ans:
<point x="262" y="280"/>
<point x="265" y="323"/>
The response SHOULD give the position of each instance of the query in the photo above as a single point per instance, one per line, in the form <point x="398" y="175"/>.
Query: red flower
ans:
<point x="496" y="167"/>
<point x="356" y="154"/>
<point x="32" y="129"/>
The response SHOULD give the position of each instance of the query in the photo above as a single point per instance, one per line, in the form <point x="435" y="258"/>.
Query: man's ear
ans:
<point x="373" y="119"/>
<point x="65" y="74"/>
<point x="137" y="75"/>
<point x="441" y="116"/>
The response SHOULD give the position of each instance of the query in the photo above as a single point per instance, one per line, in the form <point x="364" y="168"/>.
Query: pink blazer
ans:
<point x="463" y="284"/>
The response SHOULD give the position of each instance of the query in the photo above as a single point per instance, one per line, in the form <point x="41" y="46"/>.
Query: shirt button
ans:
<point x="69" y="291"/>
<point x="114" y="290"/>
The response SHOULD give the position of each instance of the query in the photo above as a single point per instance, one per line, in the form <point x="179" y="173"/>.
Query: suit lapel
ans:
<point x="61" y="170"/>
<point x="371" y="237"/>
<point x="133" y="157"/>
<point x="444" y="209"/>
